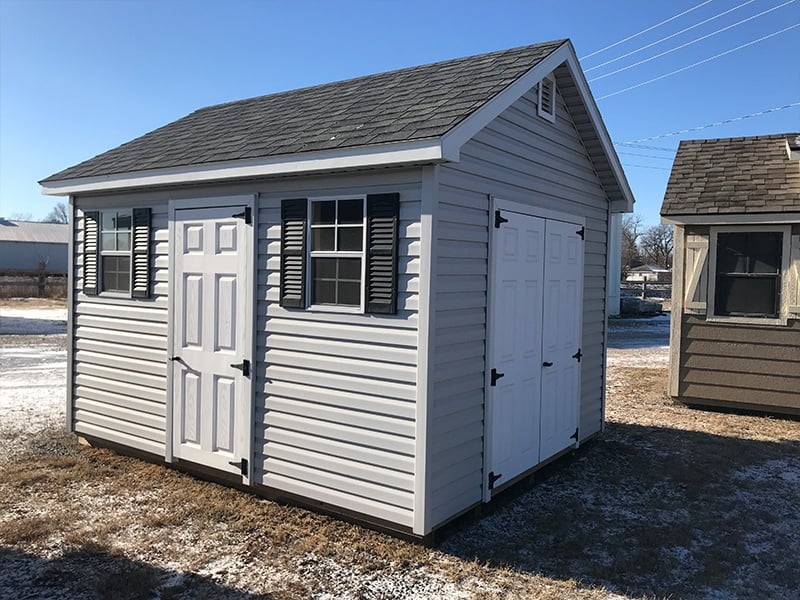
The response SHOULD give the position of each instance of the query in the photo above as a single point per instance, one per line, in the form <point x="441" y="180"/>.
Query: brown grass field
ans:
<point x="669" y="502"/>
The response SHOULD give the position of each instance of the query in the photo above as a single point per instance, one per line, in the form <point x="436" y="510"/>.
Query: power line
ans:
<point x="635" y="143"/>
<point x="700" y="39"/>
<point x="644" y="147"/>
<point x="698" y="63"/>
<point x="645" y="155"/>
<point x="646" y="167"/>
<point x="664" y="39"/>
<point x="630" y="37"/>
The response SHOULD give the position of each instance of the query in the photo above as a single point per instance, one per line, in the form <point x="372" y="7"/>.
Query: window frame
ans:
<point x="711" y="304"/>
<point x="311" y="254"/>
<point x="124" y="253"/>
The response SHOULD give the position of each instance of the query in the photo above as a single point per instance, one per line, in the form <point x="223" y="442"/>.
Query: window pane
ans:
<point x="323" y="212"/>
<point x="123" y="241"/>
<point x="324" y="292"/>
<point x="324" y="268"/>
<point x="765" y="252"/>
<point x="732" y="253"/>
<point x="123" y="220"/>
<point x="351" y="211"/>
<point x="746" y="296"/>
<point x="109" y="241"/>
<point x="322" y="238"/>
<point x="349" y="293"/>
<point x="109" y="219"/>
<point x="116" y="273"/>
<point x="350" y="238"/>
<point x="350" y="268"/>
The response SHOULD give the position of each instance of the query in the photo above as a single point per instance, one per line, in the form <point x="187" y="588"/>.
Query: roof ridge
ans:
<point x="556" y="43"/>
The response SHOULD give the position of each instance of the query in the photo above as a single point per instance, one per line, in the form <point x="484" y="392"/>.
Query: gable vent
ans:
<point x="547" y="98"/>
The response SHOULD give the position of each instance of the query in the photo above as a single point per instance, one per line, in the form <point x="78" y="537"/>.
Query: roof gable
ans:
<point x="742" y="175"/>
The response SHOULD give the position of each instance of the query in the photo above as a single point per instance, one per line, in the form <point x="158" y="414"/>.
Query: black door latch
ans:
<point x="496" y="376"/>
<point x="244" y="367"/>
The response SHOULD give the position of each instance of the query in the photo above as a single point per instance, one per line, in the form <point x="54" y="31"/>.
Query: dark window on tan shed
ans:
<point x="748" y="274"/>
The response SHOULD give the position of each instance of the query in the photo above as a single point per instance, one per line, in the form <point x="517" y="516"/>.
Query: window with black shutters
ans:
<point x="748" y="274"/>
<point x="340" y="253"/>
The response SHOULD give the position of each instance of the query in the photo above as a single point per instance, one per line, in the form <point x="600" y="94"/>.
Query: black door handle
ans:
<point x="547" y="364"/>
<point x="174" y="358"/>
<point x="243" y="366"/>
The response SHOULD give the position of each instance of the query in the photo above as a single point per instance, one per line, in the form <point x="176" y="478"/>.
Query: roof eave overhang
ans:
<point x="772" y="218"/>
<point x="385" y="155"/>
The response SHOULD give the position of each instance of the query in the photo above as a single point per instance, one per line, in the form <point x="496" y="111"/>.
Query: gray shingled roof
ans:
<point x="410" y="104"/>
<point x="734" y="175"/>
<point x="33" y="231"/>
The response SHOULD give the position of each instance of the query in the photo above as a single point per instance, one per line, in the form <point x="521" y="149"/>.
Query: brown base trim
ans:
<point x="743" y="408"/>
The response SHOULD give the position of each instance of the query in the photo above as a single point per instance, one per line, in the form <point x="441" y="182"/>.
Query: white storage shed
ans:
<point x="383" y="297"/>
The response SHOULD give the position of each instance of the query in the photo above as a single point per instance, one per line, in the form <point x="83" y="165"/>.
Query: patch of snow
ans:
<point x="33" y="321"/>
<point x="772" y="471"/>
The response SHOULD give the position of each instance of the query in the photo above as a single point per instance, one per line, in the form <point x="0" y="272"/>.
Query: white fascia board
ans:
<point x="733" y="219"/>
<point x="469" y="127"/>
<point x="394" y="154"/>
<point x="602" y="133"/>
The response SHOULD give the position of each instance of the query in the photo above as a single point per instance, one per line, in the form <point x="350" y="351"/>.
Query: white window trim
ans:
<point x="335" y="308"/>
<point x="783" y="313"/>
<point x="549" y="116"/>
<point x="101" y="253"/>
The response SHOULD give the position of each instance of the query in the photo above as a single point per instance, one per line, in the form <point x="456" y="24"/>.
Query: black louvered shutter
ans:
<point x="91" y="252"/>
<point x="383" y="216"/>
<point x="294" y="215"/>
<point x="140" y="258"/>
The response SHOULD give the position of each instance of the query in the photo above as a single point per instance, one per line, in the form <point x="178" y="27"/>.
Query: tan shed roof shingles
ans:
<point x="734" y="175"/>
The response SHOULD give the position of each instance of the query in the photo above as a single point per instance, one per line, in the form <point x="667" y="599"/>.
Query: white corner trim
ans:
<point x="733" y="219"/>
<point x="364" y="156"/>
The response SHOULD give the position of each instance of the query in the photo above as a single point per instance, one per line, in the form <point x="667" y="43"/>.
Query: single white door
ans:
<point x="211" y="343"/>
<point x="563" y="284"/>
<point x="518" y="263"/>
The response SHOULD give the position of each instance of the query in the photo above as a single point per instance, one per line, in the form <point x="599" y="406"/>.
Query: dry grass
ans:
<point x="32" y="302"/>
<point x="668" y="502"/>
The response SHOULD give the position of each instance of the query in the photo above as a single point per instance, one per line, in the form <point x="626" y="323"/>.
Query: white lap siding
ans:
<point x="335" y="399"/>
<point x="526" y="159"/>
<point x="120" y="349"/>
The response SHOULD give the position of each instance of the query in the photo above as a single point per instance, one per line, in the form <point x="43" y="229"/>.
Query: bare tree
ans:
<point x="631" y="232"/>
<point x="657" y="245"/>
<point x="57" y="215"/>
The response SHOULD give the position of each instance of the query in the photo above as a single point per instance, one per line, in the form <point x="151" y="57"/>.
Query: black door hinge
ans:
<point x="243" y="366"/>
<point x="581" y="232"/>
<point x="574" y="436"/>
<point x="493" y="478"/>
<point x="496" y="376"/>
<point x="578" y="355"/>
<point x="242" y="464"/>
<point x="246" y="214"/>
<point x="499" y="219"/>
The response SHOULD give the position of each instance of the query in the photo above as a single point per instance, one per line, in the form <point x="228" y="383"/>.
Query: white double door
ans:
<point x="211" y="345"/>
<point x="535" y="342"/>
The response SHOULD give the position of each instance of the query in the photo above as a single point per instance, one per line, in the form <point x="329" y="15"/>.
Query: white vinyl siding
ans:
<point x="120" y="350"/>
<point x="526" y="159"/>
<point x="336" y="392"/>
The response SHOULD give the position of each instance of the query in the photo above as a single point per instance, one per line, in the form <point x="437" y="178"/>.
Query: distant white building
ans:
<point x="650" y="273"/>
<point x="33" y="246"/>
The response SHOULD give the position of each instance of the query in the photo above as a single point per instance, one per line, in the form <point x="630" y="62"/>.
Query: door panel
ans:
<point x="517" y="321"/>
<point x="563" y="275"/>
<point x="212" y="407"/>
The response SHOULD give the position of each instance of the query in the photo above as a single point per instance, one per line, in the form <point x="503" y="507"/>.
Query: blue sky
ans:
<point x="79" y="77"/>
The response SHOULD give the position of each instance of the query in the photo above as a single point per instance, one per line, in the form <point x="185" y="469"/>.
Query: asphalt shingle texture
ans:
<point x="409" y="104"/>
<point x="734" y="175"/>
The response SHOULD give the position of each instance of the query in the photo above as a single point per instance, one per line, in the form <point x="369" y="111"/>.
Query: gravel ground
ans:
<point x="668" y="503"/>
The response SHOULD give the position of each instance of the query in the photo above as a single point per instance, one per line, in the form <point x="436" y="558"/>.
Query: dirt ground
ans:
<point x="669" y="502"/>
